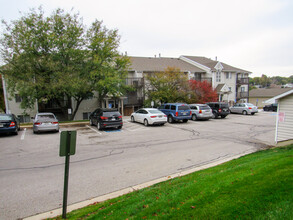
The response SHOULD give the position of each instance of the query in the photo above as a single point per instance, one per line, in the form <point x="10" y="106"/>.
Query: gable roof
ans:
<point x="212" y="64"/>
<point x="151" y="64"/>
<point x="267" y="93"/>
<point x="273" y="100"/>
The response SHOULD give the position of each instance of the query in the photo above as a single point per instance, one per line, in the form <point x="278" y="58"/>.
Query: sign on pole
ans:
<point x="67" y="148"/>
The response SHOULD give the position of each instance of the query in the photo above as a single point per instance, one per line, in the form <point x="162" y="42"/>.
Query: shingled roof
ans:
<point x="151" y="64"/>
<point x="212" y="63"/>
<point x="267" y="93"/>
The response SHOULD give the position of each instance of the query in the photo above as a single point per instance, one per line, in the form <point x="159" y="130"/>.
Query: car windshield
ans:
<point x="204" y="107"/>
<point x="110" y="114"/>
<point x="5" y="117"/>
<point x="224" y="106"/>
<point x="155" y="111"/>
<point x="183" y="107"/>
<point x="46" y="117"/>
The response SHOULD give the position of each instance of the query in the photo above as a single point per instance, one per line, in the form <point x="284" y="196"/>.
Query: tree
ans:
<point x="202" y="92"/>
<point x="57" y="58"/>
<point x="167" y="86"/>
<point x="2" y="103"/>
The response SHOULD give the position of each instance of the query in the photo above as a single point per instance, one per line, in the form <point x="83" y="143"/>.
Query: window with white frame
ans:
<point x="218" y="76"/>
<point x="229" y="75"/>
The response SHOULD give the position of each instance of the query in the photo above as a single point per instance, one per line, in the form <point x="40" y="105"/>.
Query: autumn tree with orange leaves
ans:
<point x="201" y="92"/>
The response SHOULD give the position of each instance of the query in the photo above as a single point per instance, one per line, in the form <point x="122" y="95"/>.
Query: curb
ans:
<point x="57" y="212"/>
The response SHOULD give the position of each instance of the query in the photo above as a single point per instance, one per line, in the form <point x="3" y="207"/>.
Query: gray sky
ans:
<point x="256" y="35"/>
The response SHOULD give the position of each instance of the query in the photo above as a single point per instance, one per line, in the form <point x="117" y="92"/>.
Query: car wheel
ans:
<point x="194" y="118"/>
<point x="252" y="113"/>
<point x="119" y="127"/>
<point x="145" y="122"/>
<point x="91" y="122"/>
<point x="185" y="120"/>
<point x="16" y="132"/>
<point x="170" y="119"/>
<point x="99" y="126"/>
<point x="132" y="119"/>
<point x="244" y="112"/>
<point x="214" y="115"/>
<point x="223" y="116"/>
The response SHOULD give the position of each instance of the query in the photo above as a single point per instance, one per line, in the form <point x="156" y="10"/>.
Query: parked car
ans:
<point x="176" y="111"/>
<point x="244" y="108"/>
<point x="200" y="111"/>
<point x="9" y="123"/>
<point x="219" y="109"/>
<point x="45" y="122"/>
<point x="149" y="116"/>
<point x="271" y="107"/>
<point x="106" y="118"/>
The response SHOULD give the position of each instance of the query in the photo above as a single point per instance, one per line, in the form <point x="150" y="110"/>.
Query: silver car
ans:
<point x="244" y="108"/>
<point x="45" y="122"/>
<point x="200" y="111"/>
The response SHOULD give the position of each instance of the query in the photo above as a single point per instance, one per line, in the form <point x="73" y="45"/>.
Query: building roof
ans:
<point x="282" y="95"/>
<point x="212" y="63"/>
<point x="267" y="93"/>
<point x="152" y="64"/>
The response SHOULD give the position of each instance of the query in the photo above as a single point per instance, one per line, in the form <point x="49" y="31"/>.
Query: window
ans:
<point x="24" y="118"/>
<point x="85" y="115"/>
<point x="18" y="98"/>
<point x="167" y="107"/>
<point x="229" y="75"/>
<point x="218" y="76"/>
<point x="173" y="107"/>
<point x="230" y="89"/>
<point x="242" y="89"/>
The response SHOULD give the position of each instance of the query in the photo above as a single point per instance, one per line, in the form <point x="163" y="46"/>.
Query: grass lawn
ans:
<point x="256" y="186"/>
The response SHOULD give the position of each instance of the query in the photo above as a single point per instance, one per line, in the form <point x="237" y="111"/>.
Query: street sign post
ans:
<point x="67" y="148"/>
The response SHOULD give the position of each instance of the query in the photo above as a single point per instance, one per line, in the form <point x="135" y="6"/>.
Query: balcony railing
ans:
<point x="133" y="100"/>
<point x="208" y="79"/>
<point x="241" y="95"/>
<point x="243" y="81"/>
<point x="136" y="82"/>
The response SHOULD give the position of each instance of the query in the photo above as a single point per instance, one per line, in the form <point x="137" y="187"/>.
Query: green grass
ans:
<point x="256" y="186"/>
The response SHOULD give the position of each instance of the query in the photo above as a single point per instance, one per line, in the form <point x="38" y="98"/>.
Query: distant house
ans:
<point x="284" y="119"/>
<point x="259" y="96"/>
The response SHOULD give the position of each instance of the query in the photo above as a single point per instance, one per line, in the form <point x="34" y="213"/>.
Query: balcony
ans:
<point x="242" y="95"/>
<point x="201" y="79"/>
<point x="135" y="82"/>
<point x="243" y="81"/>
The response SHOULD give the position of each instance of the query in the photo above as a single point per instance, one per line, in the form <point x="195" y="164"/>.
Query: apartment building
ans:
<point x="231" y="84"/>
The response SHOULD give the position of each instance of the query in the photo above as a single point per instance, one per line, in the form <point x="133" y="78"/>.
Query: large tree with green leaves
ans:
<point x="170" y="85"/>
<point x="58" y="58"/>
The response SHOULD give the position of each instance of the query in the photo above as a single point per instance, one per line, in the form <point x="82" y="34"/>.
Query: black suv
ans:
<point x="219" y="109"/>
<point x="106" y="118"/>
<point x="271" y="107"/>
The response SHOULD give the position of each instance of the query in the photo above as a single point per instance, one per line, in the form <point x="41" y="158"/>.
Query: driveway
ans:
<point x="31" y="172"/>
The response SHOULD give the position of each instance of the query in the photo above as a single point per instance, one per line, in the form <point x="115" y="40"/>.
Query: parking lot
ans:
<point x="31" y="171"/>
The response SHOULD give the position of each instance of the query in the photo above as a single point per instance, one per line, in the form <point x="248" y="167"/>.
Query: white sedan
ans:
<point x="149" y="116"/>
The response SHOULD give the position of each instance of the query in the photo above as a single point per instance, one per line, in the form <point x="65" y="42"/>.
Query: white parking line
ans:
<point x="94" y="130"/>
<point x="23" y="134"/>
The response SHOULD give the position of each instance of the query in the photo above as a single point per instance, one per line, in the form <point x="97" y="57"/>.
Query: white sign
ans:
<point x="69" y="111"/>
<point x="152" y="104"/>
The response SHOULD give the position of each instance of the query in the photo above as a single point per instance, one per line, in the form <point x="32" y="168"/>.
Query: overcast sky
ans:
<point x="255" y="35"/>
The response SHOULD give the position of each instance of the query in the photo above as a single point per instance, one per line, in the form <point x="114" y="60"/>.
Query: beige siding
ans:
<point x="259" y="102"/>
<point x="285" y="129"/>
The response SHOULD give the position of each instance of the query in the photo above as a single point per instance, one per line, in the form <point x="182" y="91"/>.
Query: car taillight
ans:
<point x="37" y="123"/>
<point x="190" y="112"/>
<point x="220" y="110"/>
<point x="12" y="124"/>
<point x="154" y="116"/>
<point x="54" y="122"/>
<point x="120" y="116"/>
<point x="249" y="108"/>
<point x="176" y="114"/>
<point x="165" y="115"/>
<point x="200" y="111"/>
<point x="103" y="118"/>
